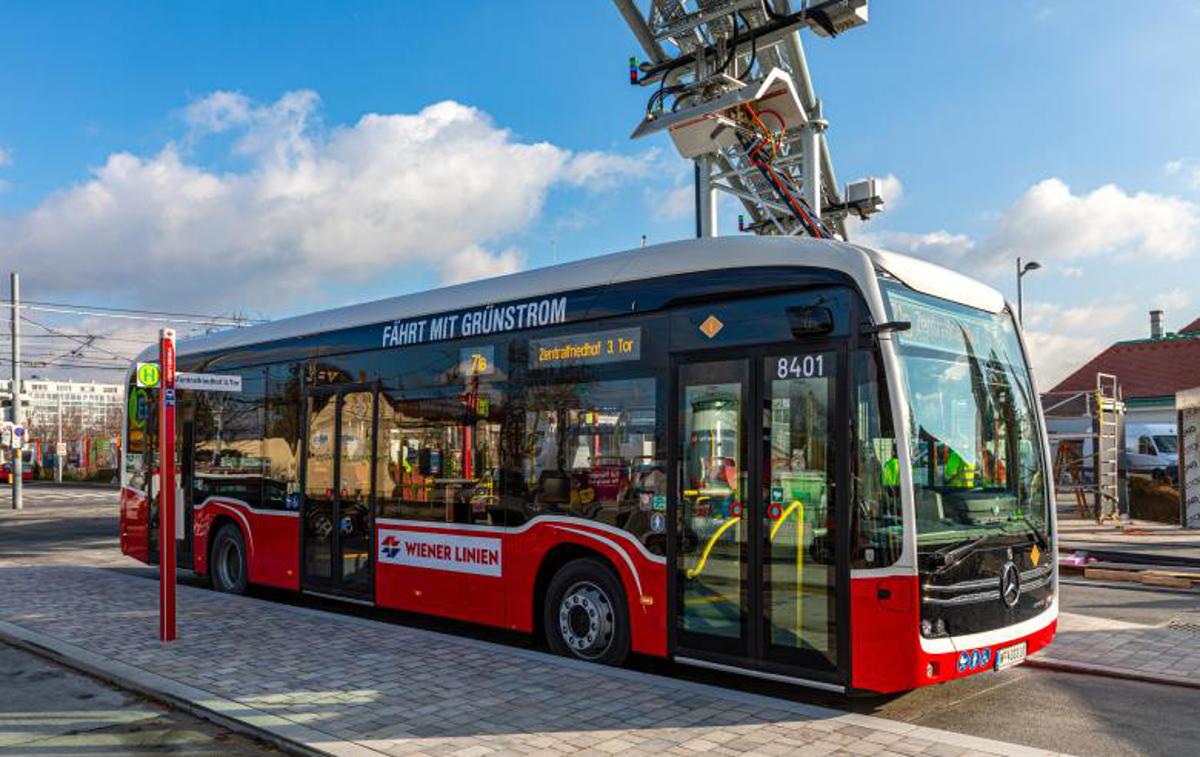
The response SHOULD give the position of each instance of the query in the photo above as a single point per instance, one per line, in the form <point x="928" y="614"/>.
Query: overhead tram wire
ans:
<point x="98" y="337"/>
<point x="131" y="317"/>
<point x="162" y="316"/>
<point x="67" y="366"/>
<point x="146" y="312"/>
<point x="83" y="341"/>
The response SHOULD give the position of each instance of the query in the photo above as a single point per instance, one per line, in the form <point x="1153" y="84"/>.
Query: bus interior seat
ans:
<point x="553" y="488"/>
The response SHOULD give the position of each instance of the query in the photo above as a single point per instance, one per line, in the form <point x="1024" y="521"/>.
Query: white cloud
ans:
<point x="671" y="204"/>
<point x="938" y="246"/>
<point x="1049" y="219"/>
<point x="1186" y="170"/>
<point x="602" y="170"/>
<point x="390" y="195"/>
<point x="1061" y="229"/>
<point x="891" y="189"/>
<point x="1085" y="318"/>
<point x="1174" y="299"/>
<point x="1056" y="356"/>
<point x="1062" y="338"/>
<point x="474" y="262"/>
<point x="218" y="112"/>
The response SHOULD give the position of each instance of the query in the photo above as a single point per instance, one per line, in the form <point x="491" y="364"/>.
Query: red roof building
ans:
<point x="1150" y="371"/>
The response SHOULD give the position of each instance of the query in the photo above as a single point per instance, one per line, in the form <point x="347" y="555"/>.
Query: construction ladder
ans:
<point x="1109" y="411"/>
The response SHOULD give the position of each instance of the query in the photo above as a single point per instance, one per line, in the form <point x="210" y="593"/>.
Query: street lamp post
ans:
<point x="1032" y="265"/>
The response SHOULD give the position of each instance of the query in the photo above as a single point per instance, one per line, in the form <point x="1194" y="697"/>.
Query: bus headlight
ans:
<point x="932" y="628"/>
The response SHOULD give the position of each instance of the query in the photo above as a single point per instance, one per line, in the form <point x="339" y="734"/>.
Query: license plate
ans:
<point x="1009" y="656"/>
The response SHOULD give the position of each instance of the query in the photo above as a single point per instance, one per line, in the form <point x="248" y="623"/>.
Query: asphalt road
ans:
<point x="1065" y="712"/>
<point x="47" y="710"/>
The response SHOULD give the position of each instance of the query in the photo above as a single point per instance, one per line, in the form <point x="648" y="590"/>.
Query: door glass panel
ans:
<point x="357" y="444"/>
<point x="319" y="488"/>
<point x="712" y="558"/>
<point x="798" y="520"/>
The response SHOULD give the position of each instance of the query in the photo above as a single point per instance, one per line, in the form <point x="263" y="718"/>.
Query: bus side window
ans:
<point x="878" y="527"/>
<point x="437" y="456"/>
<point x="590" y="450"/>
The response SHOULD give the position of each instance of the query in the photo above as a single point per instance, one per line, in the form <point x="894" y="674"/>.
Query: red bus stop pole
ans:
<point x="166" y="486"/>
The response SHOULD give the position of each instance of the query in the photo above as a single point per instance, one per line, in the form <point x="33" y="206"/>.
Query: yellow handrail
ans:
<point x="712" y="540"/>
<point x="796" y="505"/>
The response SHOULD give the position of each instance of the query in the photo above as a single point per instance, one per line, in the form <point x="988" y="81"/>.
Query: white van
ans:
<point x="1152" y="448"/>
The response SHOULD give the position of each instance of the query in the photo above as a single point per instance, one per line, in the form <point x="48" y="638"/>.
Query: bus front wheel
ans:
<point x="586" y="614"/>
<point x="228" y="564"/>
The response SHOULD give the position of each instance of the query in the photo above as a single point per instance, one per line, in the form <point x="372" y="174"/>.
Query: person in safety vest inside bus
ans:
<point x="890" y="473"/>
<point x="957" y="472"/>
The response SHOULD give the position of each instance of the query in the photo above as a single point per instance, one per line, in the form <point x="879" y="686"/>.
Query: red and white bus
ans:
<point x="800" y="459"/>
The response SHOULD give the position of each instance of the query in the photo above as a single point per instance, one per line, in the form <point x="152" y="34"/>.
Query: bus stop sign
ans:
<point x="148" y="375"/>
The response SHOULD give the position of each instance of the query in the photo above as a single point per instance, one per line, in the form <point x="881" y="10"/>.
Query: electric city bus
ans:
<point x="798" y="459"/>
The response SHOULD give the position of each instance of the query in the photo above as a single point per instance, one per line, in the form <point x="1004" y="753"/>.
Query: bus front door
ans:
<point x="338" y="495"/>
<point x="757" y="553"/>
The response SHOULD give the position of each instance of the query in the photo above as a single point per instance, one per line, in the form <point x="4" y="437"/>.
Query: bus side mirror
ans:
<point x="810" y="320"/>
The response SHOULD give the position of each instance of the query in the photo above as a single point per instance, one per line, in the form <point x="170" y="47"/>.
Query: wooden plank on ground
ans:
<point x="1108" y="574"/>
<point x="1154" y="578"/>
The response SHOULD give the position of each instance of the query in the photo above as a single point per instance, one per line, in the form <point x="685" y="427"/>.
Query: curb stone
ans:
<point x="1083" y="668"/>
<point x="283" y="734"/>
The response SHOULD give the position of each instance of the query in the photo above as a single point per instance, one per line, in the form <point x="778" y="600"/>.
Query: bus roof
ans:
<point x="669" y="259"/>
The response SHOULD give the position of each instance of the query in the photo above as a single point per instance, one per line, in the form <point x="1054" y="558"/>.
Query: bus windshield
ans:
<point x="976" y="446"/>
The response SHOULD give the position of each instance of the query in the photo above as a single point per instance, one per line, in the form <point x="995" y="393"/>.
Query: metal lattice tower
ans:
<point x="731" y="85"/>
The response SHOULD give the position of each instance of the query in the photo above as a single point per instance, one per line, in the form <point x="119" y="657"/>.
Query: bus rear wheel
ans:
<point x="228" y="564"/>
<point x="585" y="613"/>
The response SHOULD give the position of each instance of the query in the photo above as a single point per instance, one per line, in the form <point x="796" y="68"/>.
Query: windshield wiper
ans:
<point x="953" y="557"/>
<point x="1037" y="535"/>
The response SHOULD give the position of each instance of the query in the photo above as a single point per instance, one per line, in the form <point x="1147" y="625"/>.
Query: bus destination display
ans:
<point x="610" y="346"/>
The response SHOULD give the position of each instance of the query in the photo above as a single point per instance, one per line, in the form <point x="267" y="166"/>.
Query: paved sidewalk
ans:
<point x="345" y="685"/>
<point x="1136" y="540"/>
<point x="1166" y="653"/>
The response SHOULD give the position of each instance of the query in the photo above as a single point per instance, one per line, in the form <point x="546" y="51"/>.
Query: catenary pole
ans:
<point x="17" y="504"/>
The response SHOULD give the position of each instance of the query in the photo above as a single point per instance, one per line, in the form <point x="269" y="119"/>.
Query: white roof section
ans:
<point x="935" y="280"/>
<point x="672" y="258"/>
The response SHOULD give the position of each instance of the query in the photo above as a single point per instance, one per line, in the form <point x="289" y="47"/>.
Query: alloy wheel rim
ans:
<point x="586" y="620"/>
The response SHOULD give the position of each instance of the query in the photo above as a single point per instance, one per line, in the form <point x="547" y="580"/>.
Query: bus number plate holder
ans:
<point x="1009" y="656"/>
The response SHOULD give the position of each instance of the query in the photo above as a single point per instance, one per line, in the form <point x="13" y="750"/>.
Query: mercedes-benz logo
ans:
<point x="1010" y="584"/>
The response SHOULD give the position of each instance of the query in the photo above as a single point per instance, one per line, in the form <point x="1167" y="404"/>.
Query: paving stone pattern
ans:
<point x="399" y="690"/>
<point x="1167" y="652"/>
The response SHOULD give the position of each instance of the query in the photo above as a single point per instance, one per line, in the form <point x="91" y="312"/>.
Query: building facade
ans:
<point x="85" y="416"/>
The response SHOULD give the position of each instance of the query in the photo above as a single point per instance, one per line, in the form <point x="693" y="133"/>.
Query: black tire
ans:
<point x="586" y="613"/>
<point x="227" y="565"/>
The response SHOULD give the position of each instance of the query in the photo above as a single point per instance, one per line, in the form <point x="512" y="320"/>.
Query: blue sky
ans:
<point x="1065" y="130"/>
